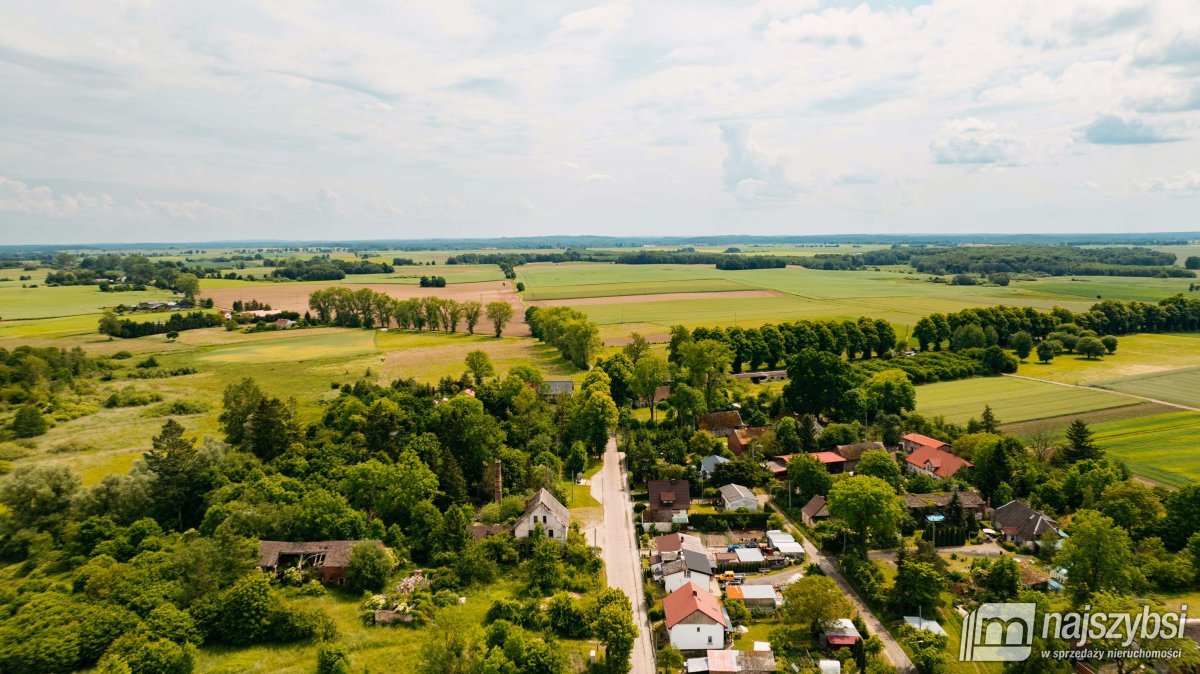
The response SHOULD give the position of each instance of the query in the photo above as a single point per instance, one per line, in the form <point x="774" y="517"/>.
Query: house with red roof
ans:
<point x="833" y="462"/>
<point x="695" y="620"/>
<point x="913" y="441"/>
<point x="841" y="633"/>
<point x="935" y="462"/>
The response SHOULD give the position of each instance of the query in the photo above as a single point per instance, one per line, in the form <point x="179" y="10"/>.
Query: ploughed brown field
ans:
<point x="294" y="297"/>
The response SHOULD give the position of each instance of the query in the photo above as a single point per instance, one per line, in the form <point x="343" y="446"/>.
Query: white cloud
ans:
<point x="750" y="173"/>
<point x="1184" y="184"/>
<point x="975" y="141"/>
<point x="594" y="177"/>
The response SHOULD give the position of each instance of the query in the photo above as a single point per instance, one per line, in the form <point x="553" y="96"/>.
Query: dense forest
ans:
<point x="324" y="268"/>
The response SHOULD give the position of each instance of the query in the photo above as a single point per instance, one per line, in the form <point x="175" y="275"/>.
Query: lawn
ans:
<point x="1177" y="386"/>
<point x="1013" y="400"/>
<point x="1162" y="447"/>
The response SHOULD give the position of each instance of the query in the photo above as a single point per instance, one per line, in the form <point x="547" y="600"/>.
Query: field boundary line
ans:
<point x="1119" y="393"/>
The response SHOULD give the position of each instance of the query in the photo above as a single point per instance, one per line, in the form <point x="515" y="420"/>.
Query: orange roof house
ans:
<point x="935" y="462"/>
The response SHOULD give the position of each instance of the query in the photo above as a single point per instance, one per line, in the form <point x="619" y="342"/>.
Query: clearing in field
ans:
<point x="1179" y="386"/>
<point x="1013" y="400"/>
<point x="1136" y="355"/>
<point x="1163" y="447"/>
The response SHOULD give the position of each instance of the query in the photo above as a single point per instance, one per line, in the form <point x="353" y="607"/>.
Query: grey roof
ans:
<point x="559" y="387"/>
<point x="337" y="553"/>
<point x="697" y="561"/>
<point x="815" y="507"/>
<point x="708" y="463"/>
<point x="1016" y="518"/>
<point x="734" y="492"/>
<point x="545" y="497"/>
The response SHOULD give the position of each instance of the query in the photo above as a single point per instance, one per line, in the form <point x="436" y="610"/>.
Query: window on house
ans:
<point x="710" y="640"/>
<point x="551" y="533"/>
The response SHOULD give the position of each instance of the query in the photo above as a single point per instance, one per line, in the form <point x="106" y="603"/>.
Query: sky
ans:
<point x="140" y="120"/>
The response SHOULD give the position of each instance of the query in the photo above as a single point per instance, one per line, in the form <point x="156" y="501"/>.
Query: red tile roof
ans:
<point x="924" y="440"/>
<point x="943" y="464"/>
<point x="830" y="457"/>
<point x="689" y="599"/>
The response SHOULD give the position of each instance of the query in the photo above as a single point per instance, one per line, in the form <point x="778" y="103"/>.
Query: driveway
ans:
<point x="891" y="649"/>
<point x="619" y="550"/>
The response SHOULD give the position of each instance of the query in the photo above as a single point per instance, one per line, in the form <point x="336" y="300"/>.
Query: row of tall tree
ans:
<point x="369" y="309"/>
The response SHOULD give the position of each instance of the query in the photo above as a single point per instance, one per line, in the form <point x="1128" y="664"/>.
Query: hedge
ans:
<point x="718" y="522"/>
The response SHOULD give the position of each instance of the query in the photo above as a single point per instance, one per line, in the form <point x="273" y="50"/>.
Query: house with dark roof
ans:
<point x="481" y="531"/>
<point x="720" y="424"/>
<point x="692" y="566"/>
<point x="1021" y="524"/>
<point x="695" y="620"/>
<point x="328" y="558"/>
<point x="925" y="504"/>
<point x="668" y="546"/>
<point x="709" y="463"/>
<point x="814" y="512"/>
<point x="669" y="500"/>
<point x="910" y="442"/>
<point x="852" y="453"/>
<point x="545" y="511"/>
<point x="935" y="462"/>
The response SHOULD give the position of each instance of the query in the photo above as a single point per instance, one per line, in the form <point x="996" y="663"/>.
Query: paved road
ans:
<point x="619" y="550"/>
<point x="891" y="649"/>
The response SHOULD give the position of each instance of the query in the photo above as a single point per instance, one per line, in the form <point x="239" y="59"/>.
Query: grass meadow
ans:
<point x="1176" y="386"/>
<point x="1013" y="400"/>
<point x="1162" y="447"/>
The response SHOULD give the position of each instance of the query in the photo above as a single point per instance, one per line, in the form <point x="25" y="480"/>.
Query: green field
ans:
<point x="1163" y="447"/>
<point x="715" y="285"/>
<point x="1013" y="400"/>
<point x="1178" y="386"/>
<point x="46" y="302"/>
<point x="1098" y="288"/>
<point x="1136" y="355"/>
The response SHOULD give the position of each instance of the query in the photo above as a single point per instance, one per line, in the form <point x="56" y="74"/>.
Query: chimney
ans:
<point x="499" y="482"/>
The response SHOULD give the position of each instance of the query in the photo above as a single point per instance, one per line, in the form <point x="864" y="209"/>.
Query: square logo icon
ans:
<point x="998" y="632"/>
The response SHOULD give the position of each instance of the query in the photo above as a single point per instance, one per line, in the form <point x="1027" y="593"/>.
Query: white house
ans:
<point x="545" y="511"/>
<point x="690" y="567"/>
<point x="735" y="497"/>
<point x="695" y="619"/>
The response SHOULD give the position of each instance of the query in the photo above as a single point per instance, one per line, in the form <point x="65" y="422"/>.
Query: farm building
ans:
<point x="709" y="463"/>
<point x="935" y="462"/>
<point x="834" y="463"/>
<point x="735" y="497"/>
<point x="852" y="453"/>
<point x="690" y="567"/>
<point x="695" y="619"/>
<point x="911" y="442"/>
<point x="762" y="597"/>
<point x="558" y="387"/>
<point x="732" y="662"/>
<point x="482" y="531"/>
<point x="924" y="624"/>
<point x="669" y="500"/>
<point x="814" y="512"/>
<point x="720" y="424"/>
<point x="779" y="466"/>
<point x="785" y="543"/>
<point x="1021" y="524"/>
<point x="543" y="510"/>
<point x="762" y="376"/>
<point x="329" y="558"/>
<point x="739" y="439"/>
<point x="840" y="634"/>
<point x="747" y="555"/>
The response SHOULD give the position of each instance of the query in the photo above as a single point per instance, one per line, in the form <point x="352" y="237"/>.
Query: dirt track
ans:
<point x="294" y="296"/>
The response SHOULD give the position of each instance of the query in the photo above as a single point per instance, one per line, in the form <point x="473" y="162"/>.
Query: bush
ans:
<point x="131" y="397"/>
<point x="332" y="659"/>
<point x="148" y="363"/>
<point x="716" y="522"/>
<point x="370" y="567"/>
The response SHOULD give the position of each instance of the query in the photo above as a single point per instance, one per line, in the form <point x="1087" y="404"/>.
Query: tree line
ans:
<point x="367" y="308"/>
<point x="111" y="324"/>
<point x="324" y="268"/>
